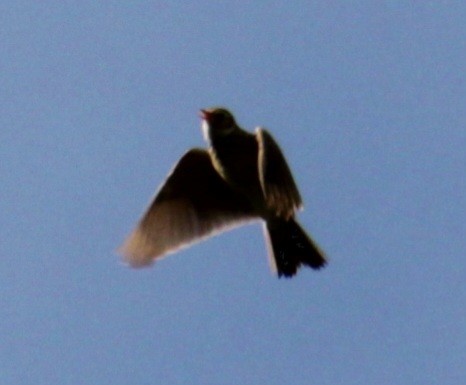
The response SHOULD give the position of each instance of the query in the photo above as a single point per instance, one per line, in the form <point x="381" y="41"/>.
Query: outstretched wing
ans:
<point x="280" y="191"/>
<point x="193" y="203"/>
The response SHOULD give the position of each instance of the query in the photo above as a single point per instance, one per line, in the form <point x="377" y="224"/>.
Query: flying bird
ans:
<point x="241" y="177"/>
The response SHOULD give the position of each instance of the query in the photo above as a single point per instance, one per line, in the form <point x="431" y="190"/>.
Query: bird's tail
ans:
<point x="290" y="247"/>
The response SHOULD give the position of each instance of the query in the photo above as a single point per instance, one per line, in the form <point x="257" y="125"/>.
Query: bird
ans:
<point x="240" y="178"/>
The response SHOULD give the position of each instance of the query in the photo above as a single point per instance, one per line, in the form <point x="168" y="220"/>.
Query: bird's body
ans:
<point x="235" y="159"/>
<point x="241" y="177"/>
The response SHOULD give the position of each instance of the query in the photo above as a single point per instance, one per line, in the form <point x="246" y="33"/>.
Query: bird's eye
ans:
<point x="221" y="120"/>
<point x="225" y="120"/>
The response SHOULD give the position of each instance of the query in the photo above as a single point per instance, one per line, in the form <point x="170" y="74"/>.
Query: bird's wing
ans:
<point x="193" y="203"/>
<point x="280" y="191"/>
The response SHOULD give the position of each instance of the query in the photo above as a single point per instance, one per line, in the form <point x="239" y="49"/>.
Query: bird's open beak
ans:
<point x="204" y="114"/>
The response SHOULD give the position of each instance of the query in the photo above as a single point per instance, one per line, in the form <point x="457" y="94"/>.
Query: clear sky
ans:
<point x="98" y="100"/>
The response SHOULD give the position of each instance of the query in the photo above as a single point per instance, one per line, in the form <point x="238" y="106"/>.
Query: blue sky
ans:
<point x="98" y="100"/>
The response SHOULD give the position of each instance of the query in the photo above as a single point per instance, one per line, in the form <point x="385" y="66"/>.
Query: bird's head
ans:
<point x="217" y="122"/>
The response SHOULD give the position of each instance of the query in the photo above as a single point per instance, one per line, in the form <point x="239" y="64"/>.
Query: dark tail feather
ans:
<point x="290" y="247"/>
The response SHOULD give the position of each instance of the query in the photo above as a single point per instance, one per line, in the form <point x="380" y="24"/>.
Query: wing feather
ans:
<point x="278" y="185"/>
<point x="193" y="203"/>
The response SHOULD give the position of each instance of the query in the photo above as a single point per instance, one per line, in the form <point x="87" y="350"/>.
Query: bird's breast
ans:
<point x="236" y="159"/>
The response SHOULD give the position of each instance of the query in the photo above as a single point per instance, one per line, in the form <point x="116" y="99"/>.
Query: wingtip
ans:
<point x="132" y="259"/>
